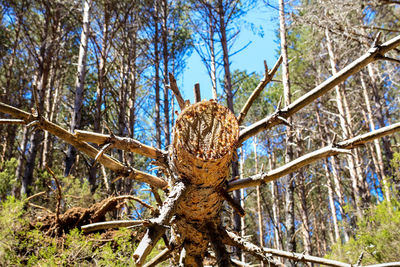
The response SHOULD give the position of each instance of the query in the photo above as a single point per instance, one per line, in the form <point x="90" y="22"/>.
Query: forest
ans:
<point x="105" y="160"/>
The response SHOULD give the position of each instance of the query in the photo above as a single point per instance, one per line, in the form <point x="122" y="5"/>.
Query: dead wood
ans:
<point x="302" y="161"/>
<point x="268" y="76"/>
<point x="112" y="224"/>
<point x="77" y="216"/>
<point x="123" y="143"/>
<point x="373" y="54"/>
<point x="174" y="87"/>
<point x="265" y="254"/>
<point x="107" y="161"/>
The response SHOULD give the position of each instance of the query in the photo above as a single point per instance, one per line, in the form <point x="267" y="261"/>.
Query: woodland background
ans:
<point x="108" y="74"/>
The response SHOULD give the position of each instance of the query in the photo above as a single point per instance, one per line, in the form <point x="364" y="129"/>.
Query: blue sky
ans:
<point x="262" y="47"/>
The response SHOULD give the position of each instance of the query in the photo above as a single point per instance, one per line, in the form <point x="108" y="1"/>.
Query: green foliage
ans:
<point x="22" y="245"/>
<point x="7" y="177"/>
<point x="378" y="236"/>
<point x="11" y="222"/>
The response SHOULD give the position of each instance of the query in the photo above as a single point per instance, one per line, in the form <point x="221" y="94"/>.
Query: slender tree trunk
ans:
<point x="379" y="160"/>
<point x="157" y="74"/>
<point x="229" y="95"/>
<point x="164" y="37"/>
<point x="79" y="86"/>
<point x="344" y="122"/>
<point x="380" y="116"/>
<point x="332" y="202"/>
<point x="21" y="159"/>
<point x="290" y="182"/>
<point x="213" y="68"/>
<point x="304" y="214"/>
<point x="40" y="84"/>
<point x="259" y="207"/>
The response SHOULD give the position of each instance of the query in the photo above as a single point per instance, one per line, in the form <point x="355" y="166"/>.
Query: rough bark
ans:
<point x="289" y="179"/>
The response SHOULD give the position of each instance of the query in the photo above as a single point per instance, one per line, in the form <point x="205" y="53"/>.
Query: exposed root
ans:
<point x="77" y="216"/>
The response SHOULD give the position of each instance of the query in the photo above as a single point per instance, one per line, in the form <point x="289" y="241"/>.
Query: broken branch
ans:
<point x="107" y="225"/>
<point x="373" y="54"/>
<point x="155" y="232"/>
<point x="300" y="162"/>
<point x="162" y="256"/>
<point x="123" y="143"/>
<point x="68" y="137"/>
<point x="265" y="253"/>
<point x="177" y="93"/>
<point x="266" y="79"/>
<point x="11" y="121"/>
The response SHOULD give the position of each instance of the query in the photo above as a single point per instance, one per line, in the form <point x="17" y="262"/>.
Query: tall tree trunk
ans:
<point x="40" y="84"/>
<point x="79" y="85"/>
<point x="290" y="182"/>
<point x="21" y="159"/>
<point x="259" y="207"/>
<point x="331" y="198"/>
<point x="379" y="160"/>
<point x="157" y="74"/>
<point x="344" y="122"/>
<point x="213" y="69"/>
<point x="229" y="96"/>
<point x="380" y="117"/>
<point x="164" y="37"/>
<point x="304" y="214"/>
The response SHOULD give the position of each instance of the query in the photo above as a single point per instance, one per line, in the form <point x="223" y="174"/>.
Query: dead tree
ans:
<point x="196" y="168"/>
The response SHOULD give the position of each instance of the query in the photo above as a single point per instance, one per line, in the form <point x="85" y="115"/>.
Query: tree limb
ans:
<point x="11" y="121"/>
<point x="123" y="143"/>
<point x="112" y="224"/>
<point x="68" y="137"/>
<point x="302" y="161"/>
<point x="177" y="93"/>
<point x="157" y="229"/>
<point x="373" y="54"/>
<point x="232" y="239"/>
<point x="266" y="79"/>
<point x="162" y="256"/>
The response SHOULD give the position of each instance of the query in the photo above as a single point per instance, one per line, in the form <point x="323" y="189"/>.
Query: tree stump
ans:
<point x="205" y="137"/>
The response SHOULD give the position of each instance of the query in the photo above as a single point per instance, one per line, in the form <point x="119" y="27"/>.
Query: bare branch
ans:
<point x="155" y="232"/>
<point x="11" y="121"/>
<point x="123" y="143"/>
<point x="232" y="239"/>
<point x="162" y="256"/>
<point x="302" y="161"/>
<point x="196" y="91"/>
<point x="63" y="134"/>
<point x="389" y="264"/>
<point x="267" y="78"/>
<point x="112" y="224"/>
<point x="177" y="93"/>
<point x="262" y="253"/>
<point x="373" y="54"/>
